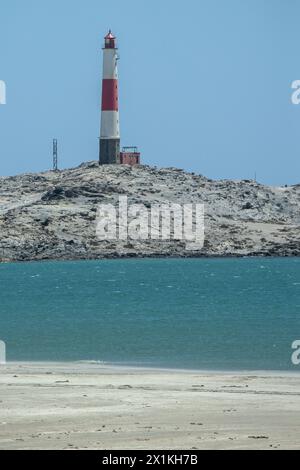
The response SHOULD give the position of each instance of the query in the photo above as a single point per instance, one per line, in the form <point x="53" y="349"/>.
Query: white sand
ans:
<point x="89" y="406"/>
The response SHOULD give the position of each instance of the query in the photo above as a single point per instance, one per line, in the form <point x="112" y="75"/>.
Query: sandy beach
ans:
<point x="93" y="406"/>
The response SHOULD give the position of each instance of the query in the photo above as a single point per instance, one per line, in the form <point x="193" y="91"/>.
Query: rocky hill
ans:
<point x="51" y="215"/>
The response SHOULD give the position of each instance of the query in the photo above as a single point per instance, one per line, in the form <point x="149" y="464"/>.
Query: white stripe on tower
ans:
<point x="110" y="131"/>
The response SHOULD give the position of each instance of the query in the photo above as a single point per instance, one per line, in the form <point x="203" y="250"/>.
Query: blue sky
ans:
<point x="205" y="85"/>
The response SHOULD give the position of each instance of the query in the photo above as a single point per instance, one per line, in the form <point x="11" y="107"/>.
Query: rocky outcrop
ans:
<point x="52" y="215"/>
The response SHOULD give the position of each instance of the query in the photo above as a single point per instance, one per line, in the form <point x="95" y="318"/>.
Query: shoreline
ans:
<point x="155" y="257"/>
<point x="98" y="366"/>
<point x="90" y="406"/>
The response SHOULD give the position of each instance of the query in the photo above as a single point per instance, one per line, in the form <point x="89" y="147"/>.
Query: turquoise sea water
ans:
<point x="185" y="313"/>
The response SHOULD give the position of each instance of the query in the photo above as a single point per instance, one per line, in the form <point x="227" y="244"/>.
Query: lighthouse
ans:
<point x="109" y="151"/>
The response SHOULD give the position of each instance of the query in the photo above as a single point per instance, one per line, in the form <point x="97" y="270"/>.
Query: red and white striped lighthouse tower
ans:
<point x="109" y="151"/>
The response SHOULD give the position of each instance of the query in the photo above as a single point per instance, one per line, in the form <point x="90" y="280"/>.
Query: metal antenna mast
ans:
<point x="54" y="154"/>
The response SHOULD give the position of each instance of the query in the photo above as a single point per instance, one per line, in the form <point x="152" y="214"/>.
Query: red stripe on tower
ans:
<point x="110" y="95"/>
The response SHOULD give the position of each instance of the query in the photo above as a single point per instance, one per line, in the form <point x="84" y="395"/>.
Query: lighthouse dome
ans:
<point x="110" y="41"/>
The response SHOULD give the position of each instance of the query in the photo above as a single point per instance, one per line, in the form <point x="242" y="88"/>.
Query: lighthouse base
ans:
<point x="109" y="151"/>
